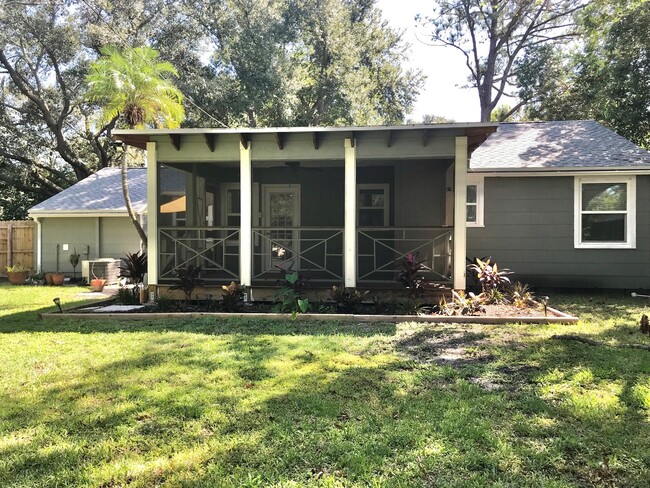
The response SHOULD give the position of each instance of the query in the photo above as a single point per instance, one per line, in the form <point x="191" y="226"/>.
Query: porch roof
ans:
<point x="476" y="132"/>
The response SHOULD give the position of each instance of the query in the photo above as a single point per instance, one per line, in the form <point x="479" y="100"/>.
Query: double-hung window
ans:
<point x="372" y="205"/>
<point x="605" y="212"/>
<point x="474" y="201"/>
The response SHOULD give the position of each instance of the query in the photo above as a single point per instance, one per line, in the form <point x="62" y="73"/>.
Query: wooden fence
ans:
<point x="16" y="244"/>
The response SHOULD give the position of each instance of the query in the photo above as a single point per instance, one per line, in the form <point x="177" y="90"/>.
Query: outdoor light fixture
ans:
<point x="57" y="302"/>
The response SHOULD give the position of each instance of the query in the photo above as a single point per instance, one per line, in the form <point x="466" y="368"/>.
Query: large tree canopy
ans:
<point x="493" y="35"/>
<point x="606" y="77"/>
<point x="240" y="63"/>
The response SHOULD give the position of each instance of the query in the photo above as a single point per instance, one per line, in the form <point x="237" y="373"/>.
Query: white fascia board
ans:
<point x="273" y="130"/>
<point x="565" y="172"/>
<point x="78" y="213"/>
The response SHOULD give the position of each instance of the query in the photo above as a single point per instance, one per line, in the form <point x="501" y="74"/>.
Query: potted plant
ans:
<point x="17" y="274"/>
<point x="58" y="279"/>
<point x="97" y="284"/>
<point x="48" y="279"/>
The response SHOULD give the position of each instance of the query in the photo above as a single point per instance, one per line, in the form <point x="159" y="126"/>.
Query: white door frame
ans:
<point x="267" y="190"/>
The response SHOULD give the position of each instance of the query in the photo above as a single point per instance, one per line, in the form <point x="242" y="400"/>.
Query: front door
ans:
<point x="281" y="213"/>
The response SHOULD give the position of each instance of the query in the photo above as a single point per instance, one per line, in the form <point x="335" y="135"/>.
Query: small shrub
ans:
<point x="410" y="277"/>
<point x="18" y="268"/>
<point x="233" y="297"/>
<point x="385" y="307"/>
<point x="462" y="304"/>
<point x="494" y="296"/>
<point x="165" y="303"/>
<point x="289" y="298"/>
<point x="125" y="296"/>
<point x="489" y="275"/>
<point x="348" y="300"/>
<point x="520" y="295"/>
<point x="187" y="279"/>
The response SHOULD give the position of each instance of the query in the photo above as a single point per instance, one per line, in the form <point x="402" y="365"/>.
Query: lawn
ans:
<point x="255" y="403"/>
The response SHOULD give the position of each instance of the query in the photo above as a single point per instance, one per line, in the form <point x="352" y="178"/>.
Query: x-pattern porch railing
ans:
<point x="317" y="250"/>
<point x="389" y="246"/>
<point x="208" y="247"/>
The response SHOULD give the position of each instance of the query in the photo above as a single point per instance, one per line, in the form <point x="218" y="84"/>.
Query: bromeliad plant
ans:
<point x="463" y="304"/>
<point x="490" y="277"/>
<point x="290" y="298"/>
<point x="348" y="300"/>
<point x="187" y="280"/>
<point x="410" y="275"/>
<point x="133" y="268"/>
<point x="233" y="297"/>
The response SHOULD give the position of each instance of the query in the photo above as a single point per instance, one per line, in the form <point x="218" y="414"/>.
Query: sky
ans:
<point x="444" y="67"/>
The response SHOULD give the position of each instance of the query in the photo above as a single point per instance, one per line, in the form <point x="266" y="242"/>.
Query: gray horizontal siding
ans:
<point x="529" y="229"/>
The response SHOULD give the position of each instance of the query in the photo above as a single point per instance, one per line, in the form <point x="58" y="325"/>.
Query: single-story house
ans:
<point x="91" y="218"/>
<point x="563" y="204"/>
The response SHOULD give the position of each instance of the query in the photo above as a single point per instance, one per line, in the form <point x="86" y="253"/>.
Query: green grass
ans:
<point x="254" y="403"/>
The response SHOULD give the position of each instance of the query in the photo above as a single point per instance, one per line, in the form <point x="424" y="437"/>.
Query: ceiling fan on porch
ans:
<point x="296" y="166"/>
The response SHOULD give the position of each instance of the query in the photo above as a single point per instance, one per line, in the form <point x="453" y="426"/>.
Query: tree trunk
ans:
<point x="127" y="200"/>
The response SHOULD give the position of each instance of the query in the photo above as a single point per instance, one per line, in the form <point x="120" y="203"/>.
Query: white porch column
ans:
<point x="39" y="245"/>
<point x="246" y="212"/>
<point x="460" y="214"/>
<point x="350" y="222"/>
<point x="152" y="214"/>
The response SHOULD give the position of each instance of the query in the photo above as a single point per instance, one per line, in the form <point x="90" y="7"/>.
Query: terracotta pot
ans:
<point x="17" y="277"/>
<point x="97" y="284"/>
<point x="57" y="279"/>
<point x="48" y="278"/>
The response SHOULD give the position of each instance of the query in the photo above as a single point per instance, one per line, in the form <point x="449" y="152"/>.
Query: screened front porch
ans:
<point x="298" y="211"/>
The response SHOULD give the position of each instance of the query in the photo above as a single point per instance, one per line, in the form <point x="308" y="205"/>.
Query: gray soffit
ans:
<point x="100" y="193"/>
<point x="565" y="145"/>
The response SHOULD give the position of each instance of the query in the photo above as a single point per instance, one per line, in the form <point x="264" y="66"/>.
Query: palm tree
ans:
<point x="130" y="85"/>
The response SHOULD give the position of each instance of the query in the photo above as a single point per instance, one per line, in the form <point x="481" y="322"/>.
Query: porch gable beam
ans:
<point x="460" y="214"/>
<point x="350" y="221"/>
<point x="245" y="140"/>
<point x="389" y="138"/>
<point x="246" y="214"/>
<point x="315" y="139"/>
<point x="279" y="138"/>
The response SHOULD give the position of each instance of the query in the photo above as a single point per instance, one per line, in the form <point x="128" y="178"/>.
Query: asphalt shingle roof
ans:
<point x="99" y="193"/>
<point x="568" y="144"/>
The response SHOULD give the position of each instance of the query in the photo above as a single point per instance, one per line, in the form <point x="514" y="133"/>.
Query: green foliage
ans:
<point x="410" y="275"/>
<point x="604" y="77"/>
<point x="131" y="83"/>
<point x="489" y="274"/>
<point x="187" y="280"/>
<point x="233" y="297"/>
<point x="520" y="295"/>
<point x="18" y="268"/>
<point x="347" y="300"/>
<point x="165" y="303"/>
<point x="74" y="261"/>
<point x="134" y="267"/>
<point x="462" y="304"/>
<point x="289" y="298"/>
<point x="126" y="296"/>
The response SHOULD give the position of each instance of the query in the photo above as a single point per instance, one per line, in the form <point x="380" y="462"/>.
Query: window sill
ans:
<point x="606" y="245"/>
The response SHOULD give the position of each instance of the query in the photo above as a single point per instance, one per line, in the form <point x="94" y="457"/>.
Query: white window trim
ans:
<point x="630" y="237"/>
<point x="374" y="186"/>
<point x="478" y="181"/>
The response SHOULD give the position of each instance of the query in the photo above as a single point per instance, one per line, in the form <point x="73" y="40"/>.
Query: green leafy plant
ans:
<point x="347" y="300"/>
<point x="134" y="268"/>
<point x="18" y="268"/>
<point x="233" y="297"/>
<point x="125" y="296"/>
<point x="384" y="307"/>
<point x="520" y="295"/>
<point x="165" y="303"/>
<point x="410" y="275"/>
<point x="289" y="298"/>
<point x="494" y="296"/>
<point x="74" y="261"/>
<point x="187" y="279"/>
<point x="462" y="304"/>
<point x="489" y="275"/>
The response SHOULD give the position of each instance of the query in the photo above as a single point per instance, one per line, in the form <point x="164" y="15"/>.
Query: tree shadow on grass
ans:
<point x="184" y="413"/>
